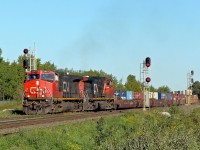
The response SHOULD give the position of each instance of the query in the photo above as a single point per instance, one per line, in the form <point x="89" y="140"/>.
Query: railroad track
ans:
<point x="16" y="125"/>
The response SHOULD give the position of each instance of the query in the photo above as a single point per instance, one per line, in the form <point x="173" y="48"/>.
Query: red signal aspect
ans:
<point x="25" y="51"/>
<point x="148" y="62"/>
<point x="148" y="79"/>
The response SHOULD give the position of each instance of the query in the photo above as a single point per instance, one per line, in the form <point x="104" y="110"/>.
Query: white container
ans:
<point x="188" y="92"/>
<point x="155" y="95"/>
<point x="150" y="94"/>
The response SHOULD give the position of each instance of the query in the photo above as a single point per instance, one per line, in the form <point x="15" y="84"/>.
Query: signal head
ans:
<point x="148" y="62"/>
<point x="192" y="72"/>
<point x="192" y="80"/>
<point x="25" y="51"/>
<point x="25" y="63"/>
<point x="148" y="79"/>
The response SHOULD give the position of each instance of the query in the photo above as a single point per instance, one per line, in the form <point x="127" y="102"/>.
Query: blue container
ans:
<point x="117" y="93"/>
<point x="159" y="96"/>
<point x="168" y="95"/>
<point x="129" y="95"/>
<point x="123" y="95"/>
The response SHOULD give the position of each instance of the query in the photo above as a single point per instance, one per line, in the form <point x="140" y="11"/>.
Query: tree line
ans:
<point x="12" y="78"/>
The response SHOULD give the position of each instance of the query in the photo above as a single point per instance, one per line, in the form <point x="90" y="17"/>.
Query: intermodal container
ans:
<point x="155" y="95"/>
<point x="159" y="96"/>
<point x="163" y="96"/>
<point x="172" y="96"/>
<point x="138" y="95"/>
<point x="151" y="95"/>
<point x="129" y="95"/>
<point x="123" y="95"/>
<point x="117" y="94"/>
<point x="168" y="96"/>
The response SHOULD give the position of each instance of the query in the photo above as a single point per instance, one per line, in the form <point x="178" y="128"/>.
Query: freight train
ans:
<point x="49" y="92"/>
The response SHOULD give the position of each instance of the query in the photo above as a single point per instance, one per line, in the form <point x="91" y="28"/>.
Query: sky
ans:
<point x="110" y="35"/>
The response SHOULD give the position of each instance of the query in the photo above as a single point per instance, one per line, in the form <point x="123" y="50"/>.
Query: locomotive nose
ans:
<point x="34" y="89"/>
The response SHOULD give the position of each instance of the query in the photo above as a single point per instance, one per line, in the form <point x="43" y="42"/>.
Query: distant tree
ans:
<point x="48" y="66"/>
<point x="196" y="88"/>
<point x="5" y="76"/>
<point x="39" y="64"/>
<point x="152" y="89"/>
<point x="114" y="81"/>
<point x="120" y="86"/>
<point x="1" y="58"/>
<point x="18" y="78"/>
<point x="163" y="89"/>
<point x="132" y="84"/>
<point x="20" y="71"/>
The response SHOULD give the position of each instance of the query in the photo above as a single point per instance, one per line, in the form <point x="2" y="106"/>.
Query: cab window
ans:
<point x="33" y="76"/>
<point x="47" y="77"/>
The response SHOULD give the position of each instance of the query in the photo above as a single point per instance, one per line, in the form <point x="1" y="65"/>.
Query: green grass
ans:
<point x="10" y="105"/>
<point x="6" y="108"/>
<point x="134" y="130"/>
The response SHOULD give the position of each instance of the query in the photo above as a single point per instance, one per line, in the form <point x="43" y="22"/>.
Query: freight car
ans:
<point x="48" y="92"/>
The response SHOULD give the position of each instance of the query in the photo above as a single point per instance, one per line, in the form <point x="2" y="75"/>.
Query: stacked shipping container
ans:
<point x="177" y="97"/>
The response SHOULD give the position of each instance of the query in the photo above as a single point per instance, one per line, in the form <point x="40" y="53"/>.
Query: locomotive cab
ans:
<point x="41" y="84"/>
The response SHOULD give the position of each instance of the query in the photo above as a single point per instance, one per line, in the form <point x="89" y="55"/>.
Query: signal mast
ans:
<point x="30" y="59"/>
<point x="145" y="79"/>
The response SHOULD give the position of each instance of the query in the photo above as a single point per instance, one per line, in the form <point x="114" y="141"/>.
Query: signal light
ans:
<point x="192" y="80"/>
<point x="25" y="51"/>
<point x="25" y="63"/>
<point x="192" y="72"/>
<point x="148" y="79"/>
<point x="148" y="62"/>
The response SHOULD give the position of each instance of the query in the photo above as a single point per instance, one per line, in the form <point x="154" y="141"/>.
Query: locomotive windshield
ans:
<point x="47" y="77"/>
<point x="33" y="76"/>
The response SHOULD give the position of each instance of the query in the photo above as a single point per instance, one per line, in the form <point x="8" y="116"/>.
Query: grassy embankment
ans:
<point x="10" y="108"/>
<point x="134" y="130"/>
